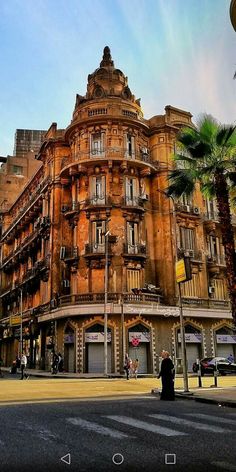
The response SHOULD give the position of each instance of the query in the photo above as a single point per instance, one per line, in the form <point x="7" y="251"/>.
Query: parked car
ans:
<point x="208" y="365"/>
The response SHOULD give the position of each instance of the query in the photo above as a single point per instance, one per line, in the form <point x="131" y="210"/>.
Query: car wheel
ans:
<point x="223" y="373"/>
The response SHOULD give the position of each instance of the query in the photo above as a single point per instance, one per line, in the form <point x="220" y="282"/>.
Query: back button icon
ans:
<point x="66" y="459"/>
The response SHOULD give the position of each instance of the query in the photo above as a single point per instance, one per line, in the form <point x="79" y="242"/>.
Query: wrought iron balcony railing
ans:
<point x="216" y="260"/>
<point x="94" y="248"/>
<point x="135" y="249"/>
<point x="69" y="253"/>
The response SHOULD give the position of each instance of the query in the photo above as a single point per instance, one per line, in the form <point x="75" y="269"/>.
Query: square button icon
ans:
<point x="170" y="459"/>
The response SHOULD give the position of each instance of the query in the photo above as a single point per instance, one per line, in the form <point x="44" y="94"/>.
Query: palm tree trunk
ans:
<point x="222" y="196"/>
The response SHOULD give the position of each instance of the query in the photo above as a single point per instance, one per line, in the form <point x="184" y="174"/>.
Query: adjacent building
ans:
<point x="98" y="201"/>
<point x="27" y="140"/>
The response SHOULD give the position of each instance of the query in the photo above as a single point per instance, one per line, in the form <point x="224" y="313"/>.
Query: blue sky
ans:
<point x="174" y="52"/>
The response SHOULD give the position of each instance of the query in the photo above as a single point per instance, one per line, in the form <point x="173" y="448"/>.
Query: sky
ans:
<point x="174" y="52"/>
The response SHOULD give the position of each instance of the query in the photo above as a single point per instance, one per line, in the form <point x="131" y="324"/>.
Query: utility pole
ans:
<point x="21" y="322"/>
<point x="182" y="330"/>
<point x="106" y="235"/>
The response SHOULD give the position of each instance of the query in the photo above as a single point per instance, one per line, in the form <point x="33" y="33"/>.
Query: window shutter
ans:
<point x="132" y="147"/>
<point x="136" y="238"/>
<point x="103" y="186"/>
<point x="126" y="147"/>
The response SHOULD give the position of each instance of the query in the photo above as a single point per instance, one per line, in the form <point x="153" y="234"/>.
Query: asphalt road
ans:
<point x="141" y="431"/>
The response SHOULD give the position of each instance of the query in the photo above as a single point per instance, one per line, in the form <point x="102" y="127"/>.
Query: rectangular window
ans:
<point x="133" y="279"/>
<point x="131" y="191"/>
<point x="187" y="238"/>
<point x="18" y="170"/>
<point x="186" y="200"/>
<point x="132" y="237"/>
<point x="97" y="144"/>
<point x="211" y="208"/>
<point x="130" y="146"/>
<point x="98" y="236"/>
<point x="98" y="190"/>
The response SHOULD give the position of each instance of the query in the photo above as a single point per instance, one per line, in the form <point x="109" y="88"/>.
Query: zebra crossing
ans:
<point x="160" y="424"/>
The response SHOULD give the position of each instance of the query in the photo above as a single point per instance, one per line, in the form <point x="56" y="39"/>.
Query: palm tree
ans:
<point x="209" y="158"/>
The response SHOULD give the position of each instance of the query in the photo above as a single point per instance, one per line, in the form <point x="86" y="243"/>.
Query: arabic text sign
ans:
<point x="96" y="337"/>
<point x="226" y="339"/>
<point x="191" y="337"/>
<point x="143" y="337"/>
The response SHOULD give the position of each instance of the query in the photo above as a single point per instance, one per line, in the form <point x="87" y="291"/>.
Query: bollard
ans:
<point x="199" y="373"/>
<point x="215" y="375"/>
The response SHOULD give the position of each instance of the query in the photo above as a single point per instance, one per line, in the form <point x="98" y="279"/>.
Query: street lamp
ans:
<point x="182" y="330"/>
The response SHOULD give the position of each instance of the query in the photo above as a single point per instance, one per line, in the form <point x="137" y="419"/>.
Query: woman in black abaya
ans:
<point x="167" y="377"/>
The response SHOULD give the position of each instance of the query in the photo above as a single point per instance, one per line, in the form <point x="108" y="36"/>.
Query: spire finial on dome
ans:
<point x="106" y="60"/>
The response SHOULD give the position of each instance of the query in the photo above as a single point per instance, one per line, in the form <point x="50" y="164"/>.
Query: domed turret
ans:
<point x="107" y="81"/>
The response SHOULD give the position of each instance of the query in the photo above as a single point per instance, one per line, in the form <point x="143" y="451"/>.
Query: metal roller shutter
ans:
<point x="140" y="353"/>
<point x="224" y="350"/>
<point x="96" y="357"/>
<point x="192" y="355"/>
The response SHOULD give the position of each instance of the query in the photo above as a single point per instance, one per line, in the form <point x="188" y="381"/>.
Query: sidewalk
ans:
<point x="75" y="386"/>
<point x="215" y="395"/>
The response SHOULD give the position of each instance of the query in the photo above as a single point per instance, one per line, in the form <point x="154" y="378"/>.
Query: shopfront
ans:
<point x="139" y="346"/>
<point x="69" y="350"/>
<point x="94" y="347"/>
<point x="225" y="342"/>
<point x="193" y="340"/>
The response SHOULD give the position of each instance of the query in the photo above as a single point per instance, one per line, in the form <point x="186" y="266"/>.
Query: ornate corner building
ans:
<point x="97" y="202"/>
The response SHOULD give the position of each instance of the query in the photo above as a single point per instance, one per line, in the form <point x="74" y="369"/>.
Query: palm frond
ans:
<point x="225" y="134"/>
<point x="200" y="150"/>
<point x="208" y="189"/>
<point x="207" y="127"/>
<point x="182" y="181"/>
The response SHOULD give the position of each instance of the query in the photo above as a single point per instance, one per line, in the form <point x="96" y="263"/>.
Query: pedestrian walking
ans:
<point x="60" y="362"/>
<point x="167" y="375"/>
<point x="23" y="364"/>
<point x="127" y="366"/>
<point x="55" y="362"/>
<point x="135" y="368"/>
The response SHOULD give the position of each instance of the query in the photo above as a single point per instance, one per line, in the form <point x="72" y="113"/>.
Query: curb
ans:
<point x="191" y="396"/>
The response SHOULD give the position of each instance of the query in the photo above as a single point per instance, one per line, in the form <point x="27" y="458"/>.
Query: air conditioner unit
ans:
<point x="62" y="252"/>
<point x="196" y="211"/>
<point x="189" y="253"/>
<point x="211" y="289"/>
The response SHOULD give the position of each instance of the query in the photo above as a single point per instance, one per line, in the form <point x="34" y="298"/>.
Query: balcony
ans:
<point x="116" y="298"/>
<point x="118" y="154"/>
<point x="191" y="210"/>
<point x="30" y="206"/>
<point x="70" y="209"/>
<point x="69" y="253"/>
<point x="135" y="251"/>
<point x="205" y="303"/>
<point x="94" y="248"/>
<point x="134" y="203"/>
<point x="98" y="201"/>
<point x="215" y="264"/>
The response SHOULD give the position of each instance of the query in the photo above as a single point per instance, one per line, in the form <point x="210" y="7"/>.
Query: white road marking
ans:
<point x="192" y="424"/>
<point x="217" y="419"/>
<point x="97" y="428"/>
<point x="224" y="465"/>
<point x="43" y="433"/>
<point x="145" y="426"/>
